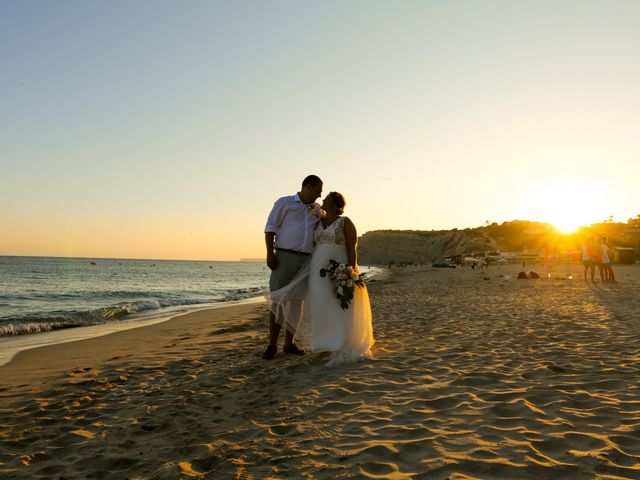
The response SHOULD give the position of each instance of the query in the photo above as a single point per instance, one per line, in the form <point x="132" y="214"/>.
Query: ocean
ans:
<point x="45" y="301"/>
<point x="43" y="294"/>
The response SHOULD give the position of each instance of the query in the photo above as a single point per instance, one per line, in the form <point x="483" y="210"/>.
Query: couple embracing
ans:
<point x="304" y="240"/>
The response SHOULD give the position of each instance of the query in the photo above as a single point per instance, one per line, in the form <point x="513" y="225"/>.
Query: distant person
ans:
<point x="586" y="261"/>
<point x="606" y="261"/>
<point x="595" y="257"/>
<point x="289" y="240"/>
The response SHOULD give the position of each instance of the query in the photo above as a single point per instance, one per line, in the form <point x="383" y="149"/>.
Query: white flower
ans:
<point x="340" y="291"/>
<point x="341" y="266"/>
<point x="316" y="210"/>
<point x="349" y="283"/>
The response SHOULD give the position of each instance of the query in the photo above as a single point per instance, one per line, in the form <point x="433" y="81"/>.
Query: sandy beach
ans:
<point x="478" y="375"/>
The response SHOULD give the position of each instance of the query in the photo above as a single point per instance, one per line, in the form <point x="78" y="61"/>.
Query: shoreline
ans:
<point x="81" y="353"/>
<point x="12" y="345"/>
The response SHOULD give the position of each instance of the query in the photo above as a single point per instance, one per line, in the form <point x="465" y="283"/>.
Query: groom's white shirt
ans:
<point x="293" y="224"/>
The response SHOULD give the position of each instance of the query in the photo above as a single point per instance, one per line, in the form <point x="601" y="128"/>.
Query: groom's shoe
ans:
<point x="270" y="352"/>
<point x="293" y="348"/>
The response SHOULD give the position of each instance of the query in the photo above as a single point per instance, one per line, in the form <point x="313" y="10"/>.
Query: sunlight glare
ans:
<point x="567" y="205"/>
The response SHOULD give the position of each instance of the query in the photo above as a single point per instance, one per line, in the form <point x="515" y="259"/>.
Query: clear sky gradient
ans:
<point x="157" y="129"/>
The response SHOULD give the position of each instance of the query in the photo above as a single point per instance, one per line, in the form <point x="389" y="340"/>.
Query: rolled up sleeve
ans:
<point x="276" y="217"/>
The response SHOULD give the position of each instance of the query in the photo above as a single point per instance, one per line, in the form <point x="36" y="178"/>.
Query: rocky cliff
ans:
<point x="387" y="246"/>
<point x="403" y="246"/>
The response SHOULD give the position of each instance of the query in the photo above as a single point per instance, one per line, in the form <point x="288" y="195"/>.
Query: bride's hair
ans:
<point x="338" y="200"/>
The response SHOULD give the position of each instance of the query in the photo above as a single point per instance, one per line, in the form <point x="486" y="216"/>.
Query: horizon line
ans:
<point x="241" y="260"/>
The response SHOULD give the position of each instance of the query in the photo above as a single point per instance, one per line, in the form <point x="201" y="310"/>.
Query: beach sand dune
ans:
<point x="478" y="375"/>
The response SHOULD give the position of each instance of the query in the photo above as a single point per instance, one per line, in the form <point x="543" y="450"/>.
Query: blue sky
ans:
<point x="167" y="129"/>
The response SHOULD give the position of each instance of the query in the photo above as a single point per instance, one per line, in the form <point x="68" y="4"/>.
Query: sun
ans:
<point x="566" y="204"/>
<point x="566" y="225"/>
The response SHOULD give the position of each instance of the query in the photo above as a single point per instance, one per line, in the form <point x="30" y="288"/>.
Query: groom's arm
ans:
<point x="272" y="261"/>
<point x="276" y="216"/>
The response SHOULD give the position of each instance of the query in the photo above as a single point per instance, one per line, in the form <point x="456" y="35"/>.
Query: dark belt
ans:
<point x="295" y="252"/>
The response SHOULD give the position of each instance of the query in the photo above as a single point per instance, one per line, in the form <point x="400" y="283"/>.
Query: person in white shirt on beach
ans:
<point x="606" y="261"/>
<point x="289" y="242"/>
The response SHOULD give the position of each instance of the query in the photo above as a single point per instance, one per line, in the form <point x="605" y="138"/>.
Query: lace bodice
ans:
<point x="332" y="235"/>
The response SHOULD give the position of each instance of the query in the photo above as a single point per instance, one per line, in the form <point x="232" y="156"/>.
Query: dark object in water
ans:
<point x="92" y="263"/>
<point x="533" y="274"/>
<point x="523" y="275"/>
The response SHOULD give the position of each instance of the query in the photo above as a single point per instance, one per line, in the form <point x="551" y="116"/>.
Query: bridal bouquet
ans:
<point x="345" y="279"/>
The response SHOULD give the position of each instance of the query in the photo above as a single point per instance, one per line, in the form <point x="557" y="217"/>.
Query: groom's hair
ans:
<point x="312" y="180"/>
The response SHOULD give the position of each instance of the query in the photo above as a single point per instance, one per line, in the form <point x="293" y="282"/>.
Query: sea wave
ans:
<point x="56" y="320"/>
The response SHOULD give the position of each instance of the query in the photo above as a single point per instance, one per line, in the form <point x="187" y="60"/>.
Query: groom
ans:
<point x="289" y="239"/>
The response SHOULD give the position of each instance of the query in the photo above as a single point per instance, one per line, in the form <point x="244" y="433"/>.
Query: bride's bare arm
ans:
<point x="351" y="239"/>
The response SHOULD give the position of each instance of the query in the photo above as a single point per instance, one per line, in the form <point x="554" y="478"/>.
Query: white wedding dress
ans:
<point x="309" y="308"/>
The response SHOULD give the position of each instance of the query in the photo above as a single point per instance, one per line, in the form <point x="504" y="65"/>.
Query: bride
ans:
<point x="309" y="307"/>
